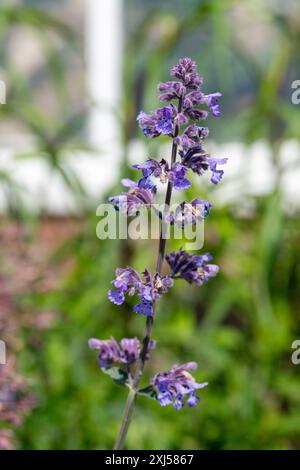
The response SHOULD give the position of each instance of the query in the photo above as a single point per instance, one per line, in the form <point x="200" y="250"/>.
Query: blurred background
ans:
<point x="76" y="75"/>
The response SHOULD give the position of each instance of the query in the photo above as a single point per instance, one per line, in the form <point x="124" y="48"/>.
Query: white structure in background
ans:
<point x="97" y="170"/>
<point x="2" y="92"/>
<point x="104" y="41"/>
<point x="2" y="353"/>
<point x="249" y="169"/>
<point x="104" y="68"/>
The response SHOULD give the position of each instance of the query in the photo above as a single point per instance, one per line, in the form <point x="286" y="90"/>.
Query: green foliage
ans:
<point x="116" y="374"/>
<point x="240" y="326"/>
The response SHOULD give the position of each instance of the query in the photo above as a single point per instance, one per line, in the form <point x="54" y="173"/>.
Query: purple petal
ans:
<point x="181" y="184"/>
<point x="117" y="297"/>
<point x="128" y="183"/>
<point x="165" y="398"/>
<point x="94" y="343"/>
<point x="193" y="400"/>
<point x="178" y="403"/>
<point x="144" y="308"/>
<point x="197" y="386"/>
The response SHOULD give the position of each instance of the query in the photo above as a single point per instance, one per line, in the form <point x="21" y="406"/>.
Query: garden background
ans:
<point x="77" y="73"/>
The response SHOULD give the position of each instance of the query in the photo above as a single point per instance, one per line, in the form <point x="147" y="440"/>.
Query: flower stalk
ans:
<point x="125" y="362"/>
<point x="150" y="320"/>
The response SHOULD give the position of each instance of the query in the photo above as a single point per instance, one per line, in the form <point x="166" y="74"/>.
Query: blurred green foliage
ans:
<point x="241" y="325"/>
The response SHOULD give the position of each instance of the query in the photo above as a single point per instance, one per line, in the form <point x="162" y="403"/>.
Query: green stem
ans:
<point x="149" y="322"/>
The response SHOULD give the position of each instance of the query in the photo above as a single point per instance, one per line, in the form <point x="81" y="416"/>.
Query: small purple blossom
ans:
<point x="192" y="268"/>
<point x="161" y="170"/>
<point x="193" y="136"/>
<point x="160" y="122"/>
<point x="152" y="289"/>
<point x="199" y="162"/>
<point x="171" y="90"/>
<point x="190" y="212"/>
<point x="212" y="102"/>
<point x="177" y="386"/>
<point x="127" y="282"/>
<point x="149" y="289"/>
<point x="111" y="353"/>
<point x="131" y="348"/>
<point x="139" y="195"/>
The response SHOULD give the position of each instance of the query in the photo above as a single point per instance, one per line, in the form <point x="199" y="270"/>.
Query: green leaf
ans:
<point x="148" y="392"/>
<point x="118" y="375"/>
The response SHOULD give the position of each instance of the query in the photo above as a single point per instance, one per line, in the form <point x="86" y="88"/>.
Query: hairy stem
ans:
<point x="126" y="419"/>
<point x="150" y="320"/>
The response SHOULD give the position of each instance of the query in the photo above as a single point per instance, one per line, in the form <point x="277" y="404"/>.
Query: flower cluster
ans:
<point x="189" y="212"/>
<point x="161" y="170"/>
<point x="111" y="353"/>
<point x="158" y="123"/>
<point x="198" y="161"/>
<point x="139" y="195"/>
<point x="149" y="289"/>
<point x="192" y="268"/>
<point x="167" y="119"/>
<point x="177" y="386"/>
<point x="188" y="91"/>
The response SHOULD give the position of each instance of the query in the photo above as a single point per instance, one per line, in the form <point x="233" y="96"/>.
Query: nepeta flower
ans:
<point x="193" y="136"/>
<point x="152" y="289"/>
<point x="192" y="268"/>
<point x="171" y="90"/>
<point x="178" y="120"/>
<point x="110" y="352"/>
<point x="161" y="170"/>
<point x="212" y="102"/>
<point x="139" y="195"/>
<point x="160" y="122"/>
<point x="177" y="386"/>
<point x="128" y="282"/>
<point x="186" y="70"/>
<point x="199" y="162"/>
<point x="190" y="212"/>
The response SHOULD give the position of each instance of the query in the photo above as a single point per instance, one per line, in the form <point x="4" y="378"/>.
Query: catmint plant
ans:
<point x="187" y="105"/>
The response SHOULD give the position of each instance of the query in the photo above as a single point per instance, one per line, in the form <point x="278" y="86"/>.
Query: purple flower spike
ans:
<point x="180" y="118"/>
<point x="177" y="386"/>
<point x="192" y="268"/>
<point x="186" y="70"/>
